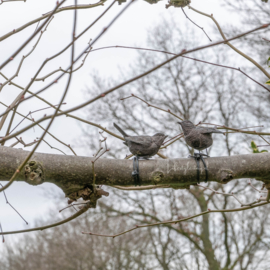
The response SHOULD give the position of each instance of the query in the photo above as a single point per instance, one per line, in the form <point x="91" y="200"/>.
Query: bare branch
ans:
<point x="230" y="45"/>
<point x="31" y="37"/>
<point x="131" y="80"/>
<point x="149" y="105"/>
<point x="100" y="3"/>
<point x="196" y="24"/>
<point x="179" y="220"/>
<point x="12" y="207"/>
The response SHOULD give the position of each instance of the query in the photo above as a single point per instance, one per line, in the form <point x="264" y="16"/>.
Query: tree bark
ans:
<point x="73" y="173"/>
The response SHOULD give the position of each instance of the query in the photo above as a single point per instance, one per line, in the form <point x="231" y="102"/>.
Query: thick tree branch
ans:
<point x="73" y="173"/>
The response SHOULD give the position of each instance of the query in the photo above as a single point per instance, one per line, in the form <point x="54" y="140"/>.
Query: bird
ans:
<point x="143" y="146"/>
<point x="199" y="138"/>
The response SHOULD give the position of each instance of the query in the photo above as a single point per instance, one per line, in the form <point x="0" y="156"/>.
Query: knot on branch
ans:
<point x="178" y="3"/>
<point x="89" y="193"/>
<point x="157" y="177"/>
<point x="33" y="172"/>
<point x="121" y="1"/>
<point x="225" y="176"/>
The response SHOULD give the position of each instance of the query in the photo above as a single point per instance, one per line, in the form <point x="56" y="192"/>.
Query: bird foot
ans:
<point x="198" y="157"/>
<point x="135" y="174"/>
<point x="143" y="158"/>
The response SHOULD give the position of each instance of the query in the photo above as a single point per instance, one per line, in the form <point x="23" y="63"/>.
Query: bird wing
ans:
<point x="193" y="139"/>
<point x="204" y="130"/>
<point x="142" y="140"/>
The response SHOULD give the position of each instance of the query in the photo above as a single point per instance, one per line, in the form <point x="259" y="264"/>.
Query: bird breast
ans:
<point x="142" y="150"/>
<point x="199" y="141"/>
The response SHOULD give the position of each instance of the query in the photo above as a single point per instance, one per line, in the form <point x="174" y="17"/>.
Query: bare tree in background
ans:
<point x="215" y="96"/>
<point x="252" y="13"/>
<point x="174" y="78"/>
<point x="191" y="89"/>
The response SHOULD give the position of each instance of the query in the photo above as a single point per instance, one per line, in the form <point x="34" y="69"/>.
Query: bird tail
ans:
<point x="218" y="131"/>
<point x="120" y="130"/>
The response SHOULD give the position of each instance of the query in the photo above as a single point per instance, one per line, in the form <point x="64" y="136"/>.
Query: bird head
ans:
<point x="159" y="138"/>
<point x="186" y="126"/>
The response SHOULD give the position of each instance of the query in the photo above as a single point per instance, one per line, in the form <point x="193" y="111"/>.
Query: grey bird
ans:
<point x="143" y="146"/>
<point x="199" y="138"/>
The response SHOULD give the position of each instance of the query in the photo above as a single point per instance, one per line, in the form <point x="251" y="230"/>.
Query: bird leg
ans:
<point x="198" y="157"/>
<point x="205" y="168"/>
<point x="135" y="172"/>
<point x="206" y="153"/>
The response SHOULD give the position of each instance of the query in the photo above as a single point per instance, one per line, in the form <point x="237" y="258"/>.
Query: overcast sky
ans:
<point x="130" y="29"/>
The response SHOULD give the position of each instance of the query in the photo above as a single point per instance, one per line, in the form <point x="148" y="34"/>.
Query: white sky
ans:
<point x="130" y="29"/>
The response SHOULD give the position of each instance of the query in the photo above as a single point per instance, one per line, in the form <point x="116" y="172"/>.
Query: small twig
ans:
<point x="252" y="132"/>
<point x="3" y="238"/>
<point x="179" y="135"/>
<point x="226" y="41"/>
<point x="266" y="39"/>
<point x="54" y="147"/>
<point x="31" y="37"/>
<point x="98" y="154"/>
<point x="260" y="191"/>
<point x="67" y="145"/>
<point x="196" y="24"/>
<point x="149" y="105"/>
<point x="191" y="58"/>
<point x="30" y="113"/>
<point x="165" y="146"/>
<point x="13" y="207"/>
<point x="77" y="7"/>
<point x="77" y="214"/>
<point x="268" y="195"/>
<point x="7" y="1"/>
<point x="230" y="194"/>
<point x="72" y="205"/>
<point x="209" y="211"/>
<point x="10" y="123"/>
<point x="14" y="144"/>
<point x="60" y="69"/>
<point x="265" y="140"/>
<point x="25" y="56"/>
<point x="26" y="144"/>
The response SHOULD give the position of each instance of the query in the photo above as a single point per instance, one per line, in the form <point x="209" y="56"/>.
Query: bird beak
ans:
<point x="179" y="123"/>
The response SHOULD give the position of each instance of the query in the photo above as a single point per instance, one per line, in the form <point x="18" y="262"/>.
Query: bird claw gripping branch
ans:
<point x="198" y="157"/>
<point x="199" y="138"/>
<point x="135" y="172"/>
